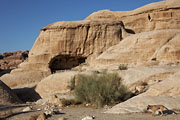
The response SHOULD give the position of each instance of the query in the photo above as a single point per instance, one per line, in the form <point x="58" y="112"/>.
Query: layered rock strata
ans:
<point x="155" y="16"/>
<point x="78" y="39"/>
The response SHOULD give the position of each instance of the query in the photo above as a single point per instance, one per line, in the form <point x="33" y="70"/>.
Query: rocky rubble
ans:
<point x="11" y="60"/>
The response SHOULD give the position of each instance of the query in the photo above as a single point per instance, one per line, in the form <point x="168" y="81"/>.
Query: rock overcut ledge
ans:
<point x="86" y="39"/>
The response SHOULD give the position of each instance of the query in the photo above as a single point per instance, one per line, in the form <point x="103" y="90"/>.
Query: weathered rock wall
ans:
<point x="160" y="46"/>
<point x="155" y="16"/>
<point x="78" y="38"/>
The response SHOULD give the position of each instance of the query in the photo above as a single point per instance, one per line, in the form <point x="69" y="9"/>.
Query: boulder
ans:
<point x="20" y="79"/>
<point x="41" y="117"/>
<point x="7" y="96"/>
<point x="55" y="83"/>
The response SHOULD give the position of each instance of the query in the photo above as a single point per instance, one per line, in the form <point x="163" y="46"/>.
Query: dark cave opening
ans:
<point x="65" y="62"/>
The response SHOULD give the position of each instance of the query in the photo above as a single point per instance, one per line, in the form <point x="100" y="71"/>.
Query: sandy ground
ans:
<point x="77" y="113"/>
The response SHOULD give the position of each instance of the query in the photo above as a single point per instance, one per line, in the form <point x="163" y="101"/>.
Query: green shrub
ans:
<point x="101" y="89"/>
<point x="123" y="67"/>
<point x="71" y="85"/>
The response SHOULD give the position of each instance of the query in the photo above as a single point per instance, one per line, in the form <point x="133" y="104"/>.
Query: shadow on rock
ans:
<point x="7" y="107"/>
<point x="27" y="94"/>
<point x="4" y="71"/>
<point x="129" y="31"/>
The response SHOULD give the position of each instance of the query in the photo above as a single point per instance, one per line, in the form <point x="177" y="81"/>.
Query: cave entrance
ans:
<point x="65" y="62"/>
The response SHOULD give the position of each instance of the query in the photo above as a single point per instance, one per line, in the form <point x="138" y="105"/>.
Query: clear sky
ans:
<point x="21" y="20"/>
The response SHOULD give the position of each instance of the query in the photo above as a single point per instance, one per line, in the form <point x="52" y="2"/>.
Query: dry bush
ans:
<point x="101" y="89"/>
<point x="123" y="67"/>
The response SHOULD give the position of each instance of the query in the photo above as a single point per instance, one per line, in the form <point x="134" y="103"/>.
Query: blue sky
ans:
<point x="21" y="20"/>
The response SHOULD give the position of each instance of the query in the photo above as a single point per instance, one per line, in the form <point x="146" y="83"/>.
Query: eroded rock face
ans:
<point x="160" y="46"/>
<point x="85" y="39"/>
<point x="155" y="16"/>
<point x="11" y="60"/>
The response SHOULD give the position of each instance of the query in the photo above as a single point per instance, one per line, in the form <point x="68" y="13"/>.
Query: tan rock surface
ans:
<point x="154" y="16"/>
<point x="23" y="78"/>
<point x="166" y="92"/>
<point x="55" y="83"/>
<point x="139" y="104"/>
<point x="78" y="39"/>
<point x="161" y="46"/>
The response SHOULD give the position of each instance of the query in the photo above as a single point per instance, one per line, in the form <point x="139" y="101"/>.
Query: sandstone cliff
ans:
<point x="154" y="16"/>
<point x="71" y="40"/>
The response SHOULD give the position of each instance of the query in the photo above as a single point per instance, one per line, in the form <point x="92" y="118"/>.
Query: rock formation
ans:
<point x="11" y="60"/>
<point x="147" y="39"/>
<point x="71" y="43"/>
<point x="155" y="16"/>
<point x="7" y="96"/>
<point x="64" y="45"/>
<point x="160" y="46"/>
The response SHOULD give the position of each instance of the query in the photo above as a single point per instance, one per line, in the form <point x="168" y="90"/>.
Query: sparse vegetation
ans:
<point x="123" y="67"/>
<point x="101" y="89"/>
<point x="71" y="85"/>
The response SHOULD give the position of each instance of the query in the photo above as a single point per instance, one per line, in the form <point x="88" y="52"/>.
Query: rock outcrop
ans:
<point x="161" y="46"/>
<point x="7" y="96"/>
<point x="162" y="87"/>
<point x="11" y="60"/>
<point x="73" y="42"/>
<point x="64" y="45"/>
<point x="154" y="16"/>
<point x="55" y="83"/>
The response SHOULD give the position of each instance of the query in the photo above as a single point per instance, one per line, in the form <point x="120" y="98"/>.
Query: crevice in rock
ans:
<point x="149" y="17"/>
<point x="87" y="33"/>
